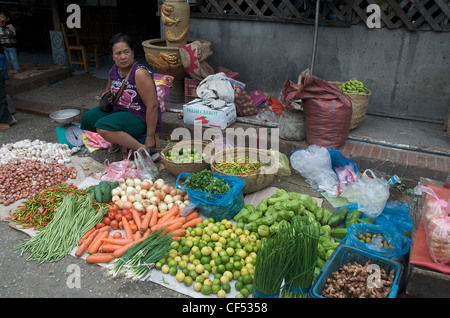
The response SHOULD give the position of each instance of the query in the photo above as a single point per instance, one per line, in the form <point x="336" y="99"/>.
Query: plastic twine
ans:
<point x="258" y="294"/>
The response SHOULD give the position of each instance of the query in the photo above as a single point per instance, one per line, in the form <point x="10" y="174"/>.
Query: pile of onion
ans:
<point x="24" y="179"/>
<point x="144" y="195"/>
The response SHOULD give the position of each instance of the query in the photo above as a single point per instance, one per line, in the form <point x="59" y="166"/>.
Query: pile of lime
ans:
<point x="185" y="155"/>
<point x="213" y="257"/>
<point x="353" y="86"/>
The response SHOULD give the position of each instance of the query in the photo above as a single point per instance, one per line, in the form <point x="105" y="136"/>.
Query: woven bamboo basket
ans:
<point x="360" y="102"/>
<point x="254" y="182"/>
<point x="176" y="168"/>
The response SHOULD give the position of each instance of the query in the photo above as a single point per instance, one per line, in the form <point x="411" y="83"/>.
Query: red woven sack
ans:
<point x="328" y="111"/>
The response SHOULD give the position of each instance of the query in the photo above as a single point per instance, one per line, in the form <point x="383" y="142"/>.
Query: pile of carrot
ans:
<point x="103" y="247"/>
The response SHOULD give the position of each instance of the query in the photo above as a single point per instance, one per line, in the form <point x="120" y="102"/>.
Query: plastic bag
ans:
<point x="436" y="221"/>
<point x="314" y="164"/>
<point x="371" y="194"/>
<point x="396" y="216"/>
<point x="345" y="169"/>
<point x="346" y="176"/>
<point x="119" y="171"/>
<point x="217" y="206"/>
<point x="163" y="84"/>
<point x="266" y="114"/>
<point x="145" y="165"/>
<point x="283" y="169"/>
<point x="400" y="244"/>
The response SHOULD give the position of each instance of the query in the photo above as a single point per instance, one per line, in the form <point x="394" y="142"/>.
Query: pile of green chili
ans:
<point x="238" y="166"/>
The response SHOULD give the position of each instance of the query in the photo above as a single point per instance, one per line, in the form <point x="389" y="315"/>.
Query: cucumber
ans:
<point x="114" y="184"/>
<point x="339" y="233"/>
<point x="91" y="193"/>
<point x="352" y="217"/>
<point x="106" y="192"/>
<point x="98" y="194"/>
<point x="367" y="220"/>
<point x="338" y="218"/>
<point x="103" y="184"/>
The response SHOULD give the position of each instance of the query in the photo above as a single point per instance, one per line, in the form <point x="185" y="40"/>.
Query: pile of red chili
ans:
<point x="38" y="211"/>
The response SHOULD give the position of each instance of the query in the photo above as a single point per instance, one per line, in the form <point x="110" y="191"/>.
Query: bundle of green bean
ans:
<point x="74" y="217"/>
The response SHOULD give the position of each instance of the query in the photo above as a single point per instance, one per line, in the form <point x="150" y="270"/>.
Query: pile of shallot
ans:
<point x="145" y="195"/>
<point x="26" y="178"/>
<point x="50" y="153"/>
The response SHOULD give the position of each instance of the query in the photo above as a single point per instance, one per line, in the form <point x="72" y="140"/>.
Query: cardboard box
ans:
<point x="195" y="112"/>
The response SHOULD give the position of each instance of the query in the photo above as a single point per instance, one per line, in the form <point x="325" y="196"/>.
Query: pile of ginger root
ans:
<point x="351" y="280"/>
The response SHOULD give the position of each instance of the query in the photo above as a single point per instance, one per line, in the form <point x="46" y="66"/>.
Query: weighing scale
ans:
<point x="68" y="133"/>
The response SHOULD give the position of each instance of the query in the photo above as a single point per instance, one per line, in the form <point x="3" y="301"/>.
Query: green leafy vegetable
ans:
<point x="204" y="181"/>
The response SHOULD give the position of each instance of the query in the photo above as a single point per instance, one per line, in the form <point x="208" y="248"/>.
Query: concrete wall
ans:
<point x="407" y="72"/>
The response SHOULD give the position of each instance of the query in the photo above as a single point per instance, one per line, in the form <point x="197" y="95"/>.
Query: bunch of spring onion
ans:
<point x="303" y="250"/>
<point x="273" y="263"/>
<point x="137" y="261"/>
<point x="72" y="219"/>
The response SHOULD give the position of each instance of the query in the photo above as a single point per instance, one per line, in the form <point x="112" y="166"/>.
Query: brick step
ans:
<point x="16" y="86"/>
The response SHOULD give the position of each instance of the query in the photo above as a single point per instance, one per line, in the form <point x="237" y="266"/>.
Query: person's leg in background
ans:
<point x="6" y="119"/>
<point x="11" y="58"/>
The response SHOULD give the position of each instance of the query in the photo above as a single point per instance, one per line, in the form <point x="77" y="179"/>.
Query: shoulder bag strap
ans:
<point x="123" y="84"/>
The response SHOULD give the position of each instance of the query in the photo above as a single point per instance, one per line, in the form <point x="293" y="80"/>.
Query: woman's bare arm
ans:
<point x="147" y="90"/>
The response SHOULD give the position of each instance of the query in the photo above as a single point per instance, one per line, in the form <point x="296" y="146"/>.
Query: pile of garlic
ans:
<point x="49" y="153"/>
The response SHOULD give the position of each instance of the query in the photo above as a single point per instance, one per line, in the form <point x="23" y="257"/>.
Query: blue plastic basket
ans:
<point x="344" y="254"/>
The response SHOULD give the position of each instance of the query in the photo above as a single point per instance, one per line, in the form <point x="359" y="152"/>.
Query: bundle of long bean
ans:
<point x="137" y="261"/>
<point x="74" y="217"/>
<point x="272" y="263"/>
<point x="38" y="211"/>
<point x="305" y="239"/>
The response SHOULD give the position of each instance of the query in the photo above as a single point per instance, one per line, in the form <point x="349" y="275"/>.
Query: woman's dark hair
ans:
<point x="6" y="13"/>
<point x="121" y="37"/>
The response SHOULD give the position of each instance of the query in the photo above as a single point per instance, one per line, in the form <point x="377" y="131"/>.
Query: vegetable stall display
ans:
<point x="274" y="249"/>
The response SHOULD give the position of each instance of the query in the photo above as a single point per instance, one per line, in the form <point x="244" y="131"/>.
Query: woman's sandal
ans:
<point x="113" y="148"/>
